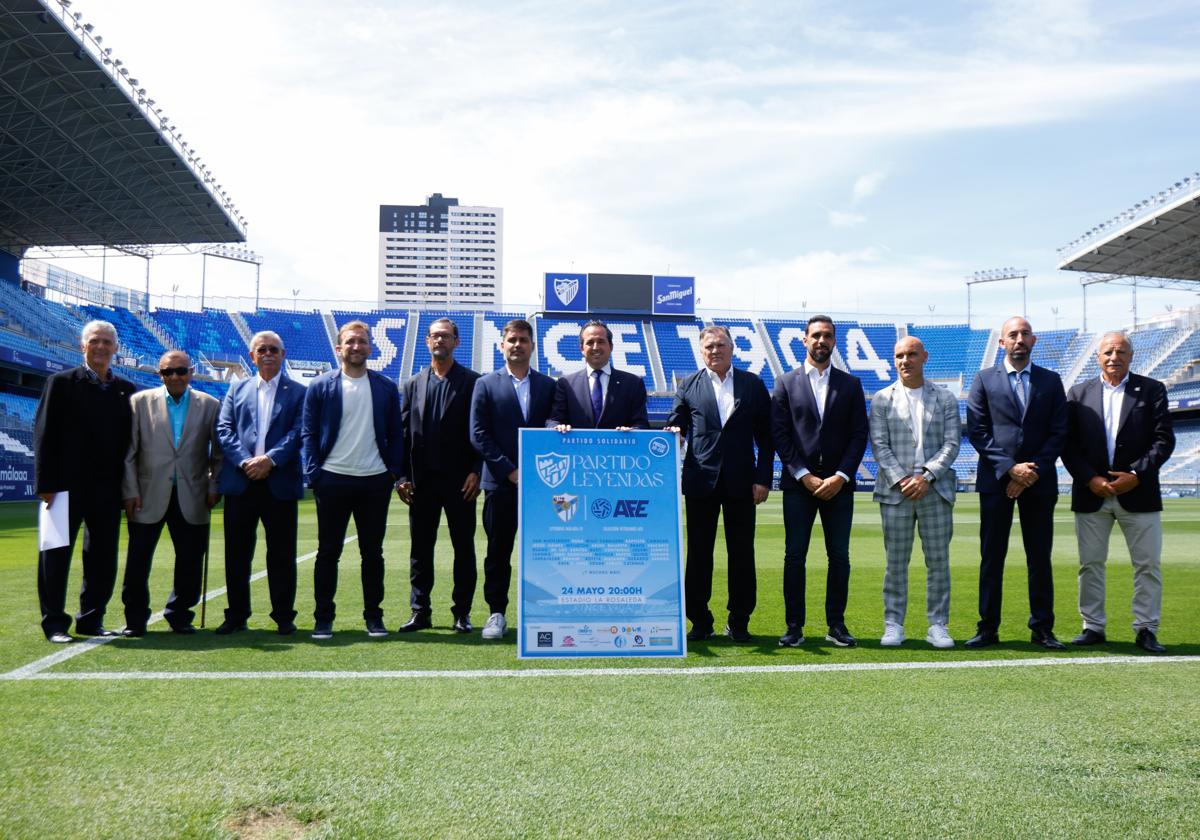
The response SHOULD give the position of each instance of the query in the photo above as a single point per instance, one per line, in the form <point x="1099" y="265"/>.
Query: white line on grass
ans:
<point x="699" y="671"/>
<point x="81" y="647"/>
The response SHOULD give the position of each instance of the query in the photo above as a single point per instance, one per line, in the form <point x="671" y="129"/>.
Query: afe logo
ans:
<point x="631" y="508"/>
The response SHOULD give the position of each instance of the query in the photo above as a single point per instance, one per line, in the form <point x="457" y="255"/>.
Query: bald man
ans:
<point x="915" y="436"/>
<point x="1017" y="422"/>
<point x="1120" y="436"/>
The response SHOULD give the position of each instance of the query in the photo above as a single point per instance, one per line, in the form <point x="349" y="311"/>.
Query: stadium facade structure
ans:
<point x="440" y="253"/>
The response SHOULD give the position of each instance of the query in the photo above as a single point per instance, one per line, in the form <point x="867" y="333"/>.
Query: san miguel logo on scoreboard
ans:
<point x="566" y="293"/>
<point x="674" y="295"/>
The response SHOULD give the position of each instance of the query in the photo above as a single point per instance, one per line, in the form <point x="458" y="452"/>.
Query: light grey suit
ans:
<point x="893" y="444"/>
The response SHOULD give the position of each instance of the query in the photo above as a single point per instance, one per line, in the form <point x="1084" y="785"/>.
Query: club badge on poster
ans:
<point x="600" y="567"/>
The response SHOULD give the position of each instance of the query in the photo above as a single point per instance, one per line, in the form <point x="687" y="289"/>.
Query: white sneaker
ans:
<point x="495" y="627"/>
<point x="893" y="635"/>
<point x="939" y="637"/>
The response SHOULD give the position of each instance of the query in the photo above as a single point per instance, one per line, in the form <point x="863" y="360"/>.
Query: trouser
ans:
<point x="1143" y="538"/>
<point x="1037" y="535"/>
<point x="340" y="497"/>
<point x="435" y="494"/>
<point x="500" y="525"/>
<point x="702" y="513"/>
<point x="933" y="517"/>
<point x="99" y="511"/>
<point x="243" y="512"/>
<point x="190" y="541"/>
<point x="800" y="510"/>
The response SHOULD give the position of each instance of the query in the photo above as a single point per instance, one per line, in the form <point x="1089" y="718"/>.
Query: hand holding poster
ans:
<point x="600" y="563"/>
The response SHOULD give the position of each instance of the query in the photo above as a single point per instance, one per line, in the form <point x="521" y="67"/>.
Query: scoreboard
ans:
<point x="632" y="294"/>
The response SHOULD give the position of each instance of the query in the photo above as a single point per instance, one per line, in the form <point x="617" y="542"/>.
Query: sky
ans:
<point x="857" y="158"/>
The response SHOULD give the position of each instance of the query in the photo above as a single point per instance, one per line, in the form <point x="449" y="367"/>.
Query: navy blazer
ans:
<point x="237" y="430"/>
<point x="1003" y="438"/>
<point x="805" y="441"/>
<point x="459" y="456"/>
<point x="1145" y="440"/>
<point x="81" y="432"/>
<point x="624" y="401"/>
<point x="496" y="417"/>
<point x="323" y="420"/>
<point x="740" y="453"/>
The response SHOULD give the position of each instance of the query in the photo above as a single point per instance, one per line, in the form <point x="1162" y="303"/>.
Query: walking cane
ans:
<point x="204" y="585"/>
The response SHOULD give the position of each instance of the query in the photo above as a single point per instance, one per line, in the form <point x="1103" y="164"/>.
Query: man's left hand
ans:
<point x="830" y="487"/>
<point x="470" y="488"/>
<point x="760" y="493"/>
<point x="1122" y="482"/>
<point x="914" y="487"/>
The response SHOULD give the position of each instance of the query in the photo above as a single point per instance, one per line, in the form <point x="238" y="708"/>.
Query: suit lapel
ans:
<point x="929" y="404"/>
<point x="610" y="395"/>
<point x="583" y="392"/>
<point x="451" y="381"/>
<point x="418" y="409"/>
<point x="1093" y="398"/>
<point x="162" y="417"/>
<point x="189" y="420"/>
<point x="1133" y="393"/>
<point x="900" y="403"/>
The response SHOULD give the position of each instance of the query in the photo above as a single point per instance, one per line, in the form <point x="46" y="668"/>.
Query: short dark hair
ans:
<point x="453" y="326"/>
<point x="518" y="325"/>
<point x="824" y="319"/>
<point x="595" y="323"/>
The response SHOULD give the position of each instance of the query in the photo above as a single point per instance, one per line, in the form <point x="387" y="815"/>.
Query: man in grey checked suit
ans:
<point x="915" y="436"/>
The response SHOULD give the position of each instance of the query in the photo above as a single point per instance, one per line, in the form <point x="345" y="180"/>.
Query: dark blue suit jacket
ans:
<point x="805" y="441"/>
<point x="1002" y="438"/>
<point x="624" y="402"/>
<point x="1145" y="440"/>
<point x="323" y="420"/>
<point x="237" y="430"/>
<point x="496" y="417"/>
<point x="724" y="453"/>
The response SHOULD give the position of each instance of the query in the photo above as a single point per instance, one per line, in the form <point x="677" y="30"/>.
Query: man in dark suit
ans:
<point x="514" y="397"/>
<point x="440" y="471"/>
<point x="353" y="441"/>
<point x="724" y="414"/>
<point x="170" y="479"/>
<point x="259" y="431"/>
<point x="1119" y="436"/>
<point x="819" y="421"/>
<point x="598" y="396"/>
<point x="1017" y="422"/>
<point x="80" y="434"/>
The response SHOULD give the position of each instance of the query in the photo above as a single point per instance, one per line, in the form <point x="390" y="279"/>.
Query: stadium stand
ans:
<point x="678" y="349"/>
<point x="207" y="334"/>
<point x="1186" y="352"/>
<point x="303" y="333"/>
<point x="945" y="344"/>
<point x="866" y="351"/>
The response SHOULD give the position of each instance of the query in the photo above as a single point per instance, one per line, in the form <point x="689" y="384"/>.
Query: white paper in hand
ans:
<point x="52" y="523"/>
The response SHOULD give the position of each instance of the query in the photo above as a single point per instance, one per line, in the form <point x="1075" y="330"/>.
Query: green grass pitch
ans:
<point x="1099" y="750"/>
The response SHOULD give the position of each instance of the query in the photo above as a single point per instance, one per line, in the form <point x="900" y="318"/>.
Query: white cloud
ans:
<point x="867" y="185"/>
<point x="842" y="219"/>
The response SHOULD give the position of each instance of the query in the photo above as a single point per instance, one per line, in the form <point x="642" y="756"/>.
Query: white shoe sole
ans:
<point x="946" y="645"/>
<point x="892" y="642"/>
<point x="375" y="634"/>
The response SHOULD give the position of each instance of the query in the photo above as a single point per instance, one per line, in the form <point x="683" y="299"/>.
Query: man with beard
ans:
<point x="353" y="452"/>
<point x="440" y="472"/>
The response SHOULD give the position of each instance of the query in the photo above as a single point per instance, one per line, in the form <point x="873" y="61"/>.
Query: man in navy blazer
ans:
<point x="259" y="432"/>
<point x="506" y="400"/>
<point x="1017" y="422"/>
<point x="598" y="396"/>
<point x="1119" y="437"/>
<point x="724" y="414"/>
<point x="353" y="441"/>
<point x="819" y="421"/>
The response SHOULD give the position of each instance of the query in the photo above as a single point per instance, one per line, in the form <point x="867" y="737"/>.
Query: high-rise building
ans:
<point x="440" y="253"/>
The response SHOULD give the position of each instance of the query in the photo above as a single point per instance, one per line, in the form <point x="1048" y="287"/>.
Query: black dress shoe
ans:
<point x="1090" y="637"/>
<point x="228" y="626"/>
<point x="286" y="628"/>
<point x="419" y="621"/>
<point x="183" y="629"/>
<point x="840" y="636"/>
<point x="101" y="631"/>
<point x="133" y="632"/>
<point x="794" y="637"/>
<point x="1147" y="641"/>
<point x="1046" y="639"/>
<point x="982" y="640"/>
<point x="699" y="635"/>
<point x="60" y="638"/>
<point x="738" y="634"/>
<point x="462" y="624"/>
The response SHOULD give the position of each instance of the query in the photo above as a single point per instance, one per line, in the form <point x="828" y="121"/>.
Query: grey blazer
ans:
<point x="892" y="438"/>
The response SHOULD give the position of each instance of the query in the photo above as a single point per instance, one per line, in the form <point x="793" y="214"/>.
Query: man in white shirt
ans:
<point x="353" y="440"/>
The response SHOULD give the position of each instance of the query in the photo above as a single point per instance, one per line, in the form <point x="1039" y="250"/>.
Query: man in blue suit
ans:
<point x="259" y="432"/>
<point x="353" y="440"/>
<point x="511" y="398"/>
<point x="819" y="421"/>
<point x="1017" y="422"/>
<point x="598" y="396"/>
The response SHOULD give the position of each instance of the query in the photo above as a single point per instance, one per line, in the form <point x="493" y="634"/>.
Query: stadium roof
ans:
<point x="85" y="157"/>
<point x="1156" y="238"/>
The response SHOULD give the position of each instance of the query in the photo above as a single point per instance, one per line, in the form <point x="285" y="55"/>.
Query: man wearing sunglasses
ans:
<point x="259" y="429"/>
<point x="170" y="479"/>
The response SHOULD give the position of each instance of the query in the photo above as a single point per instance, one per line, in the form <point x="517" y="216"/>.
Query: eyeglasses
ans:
<point x="174" y="371"/>
<point x="267" y="350"/>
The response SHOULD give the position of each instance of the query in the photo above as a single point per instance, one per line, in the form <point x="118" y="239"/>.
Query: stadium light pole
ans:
<point x="233" y="254"/>
<point x="995" y="275"/>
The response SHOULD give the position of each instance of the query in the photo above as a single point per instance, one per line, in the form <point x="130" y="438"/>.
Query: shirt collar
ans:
<point x="270" y="384"/>
<point x="606" y="370"/>
<point x="187" y="392"/>
<point x="1008" y="368"/>
<point x="1118" y="386"/>
<point x="513" y="376"/>
<point x="111" y="376"/>
<point x="716" y="379"/>
<point x="810" y="368"/>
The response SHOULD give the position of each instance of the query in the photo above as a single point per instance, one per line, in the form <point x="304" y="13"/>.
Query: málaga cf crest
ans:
<point x="553" y="468"/>
<point x="565" y="506"/>
<point x="566" y="289"/>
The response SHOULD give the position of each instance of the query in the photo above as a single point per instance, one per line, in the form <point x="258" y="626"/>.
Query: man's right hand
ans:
<point x="1100" y="487"/>
<point x="811" y="483"/>
<point x="258" y="467"/>
<point x="1024" y="474"/>
<point x="515" y="476"/>
<point x="405" y="492"/>
<point x="132" y="505"/>
<point x="48" y="498"/>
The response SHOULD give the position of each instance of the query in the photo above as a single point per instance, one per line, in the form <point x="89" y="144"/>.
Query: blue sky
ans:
<point x="861" y="158"/>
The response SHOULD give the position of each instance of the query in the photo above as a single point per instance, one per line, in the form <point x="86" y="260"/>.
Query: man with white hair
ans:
<point x="81" y="432"/>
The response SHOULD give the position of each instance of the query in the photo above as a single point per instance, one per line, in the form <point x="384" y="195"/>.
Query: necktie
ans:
<point x="597" y="396"/>
<point x="1021" y="390"/>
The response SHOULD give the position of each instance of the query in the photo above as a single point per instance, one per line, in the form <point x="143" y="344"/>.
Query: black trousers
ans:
<point x="800" y="510"/>
<point x="340" y="497"/>
<point x="190" y="541"/>
<point x="1037" y="534"/>
<point x="702" y="514"/>
<point x="99" y="511"/>
<point x="500" y="525"/>
<point x="243" y="512"/>
<point x="437" y="493"/>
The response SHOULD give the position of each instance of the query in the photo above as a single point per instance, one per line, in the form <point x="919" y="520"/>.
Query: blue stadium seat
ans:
<point x="678" y="348"/>
<point x="209" y="333"/>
